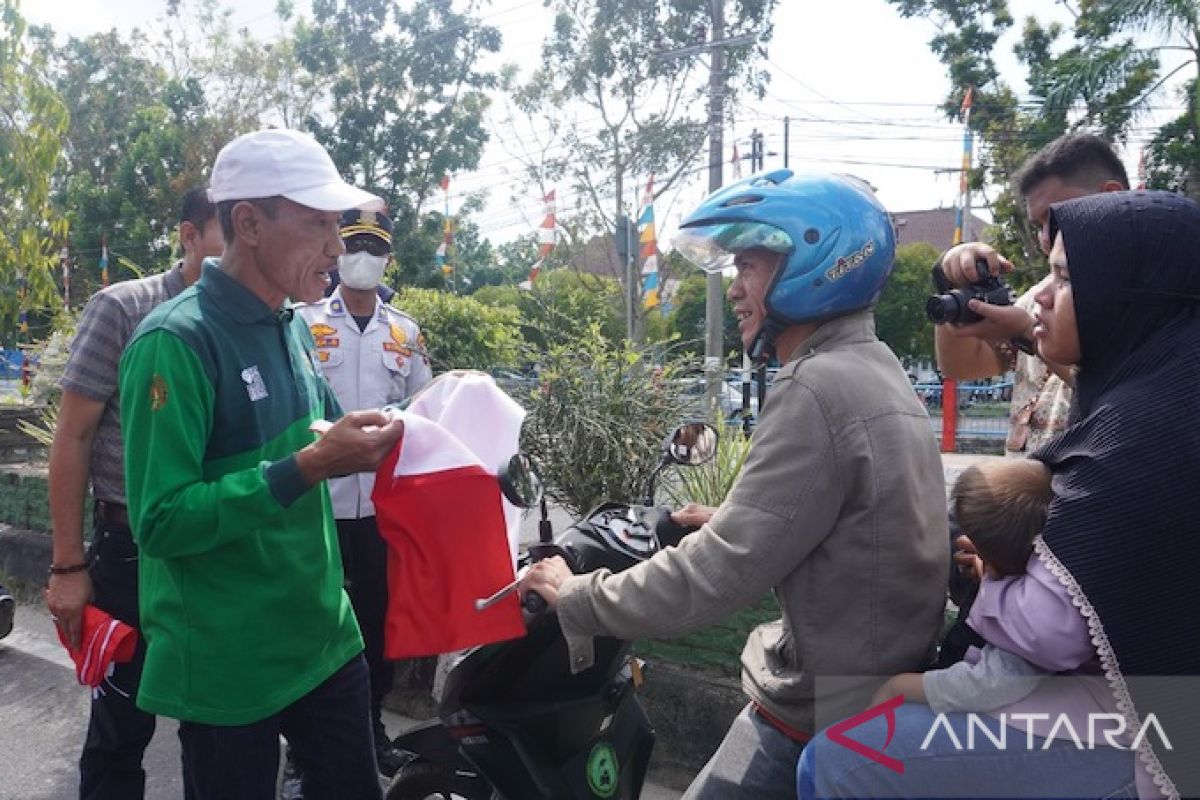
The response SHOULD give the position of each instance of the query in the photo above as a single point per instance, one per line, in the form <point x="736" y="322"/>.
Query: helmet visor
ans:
<point x="712" y="247"/>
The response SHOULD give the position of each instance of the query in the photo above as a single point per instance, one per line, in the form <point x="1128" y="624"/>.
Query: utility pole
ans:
<point x="714" y="310"/>
<point x="787" y="124"/>
<point x="623" y="239"/>
<point x="714" y="291"/>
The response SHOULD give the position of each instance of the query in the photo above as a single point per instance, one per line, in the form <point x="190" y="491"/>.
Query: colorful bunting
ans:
<point x="964" y="185"/>
<point x="104" y="259"/>
<point x="447" y="231"/>
<point x="648" y="248"/>
<point x="546" y="235"/>
<point x="65" y="258"/>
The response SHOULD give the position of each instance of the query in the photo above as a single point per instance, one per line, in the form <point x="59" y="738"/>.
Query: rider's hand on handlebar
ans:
<point x="545" y="578"/>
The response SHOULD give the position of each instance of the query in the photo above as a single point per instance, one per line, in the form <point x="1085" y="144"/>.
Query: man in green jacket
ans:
<point x="249" y="633"/>
<point x="839" y="508"/>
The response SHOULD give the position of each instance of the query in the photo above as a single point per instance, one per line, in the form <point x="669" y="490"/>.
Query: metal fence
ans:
<point x="981" y="414"/>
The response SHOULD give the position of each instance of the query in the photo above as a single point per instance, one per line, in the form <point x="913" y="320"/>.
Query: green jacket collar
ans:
<point x="239" y="302"/>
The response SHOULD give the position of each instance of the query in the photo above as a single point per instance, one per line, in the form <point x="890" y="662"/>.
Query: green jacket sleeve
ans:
<point x="166" y="420"/>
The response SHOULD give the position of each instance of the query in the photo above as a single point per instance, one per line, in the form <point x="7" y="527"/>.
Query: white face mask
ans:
<point x="361" y="270"/>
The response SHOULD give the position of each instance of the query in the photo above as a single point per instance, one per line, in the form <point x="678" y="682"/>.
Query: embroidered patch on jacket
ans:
<point x="398" y="334"/>
<point x="158" y="393"/>
<point x="320" y="329"/>
<point x="392" y="347"/>
<point x="255" y="387"/>
<point x="328" y="341"/>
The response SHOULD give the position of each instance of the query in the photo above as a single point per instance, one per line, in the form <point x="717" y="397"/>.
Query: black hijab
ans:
<point x="1123" y="532"/>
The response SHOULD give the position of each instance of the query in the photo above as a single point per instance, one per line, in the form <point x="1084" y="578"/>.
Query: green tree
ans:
<point x="687" y="318"/>
<point x="900" y="317"/>
<point x="407" y="102"/>
<point x="138" y="140"/>
<point x="470" y="255"/>
<point x="1174" y="153"/>
<point x="609" y="109"/>
<point x="33" y="119"/>
<point x="560" y="304"/>
<point x="1095" y="80"/>
<point x="460" y="332"/>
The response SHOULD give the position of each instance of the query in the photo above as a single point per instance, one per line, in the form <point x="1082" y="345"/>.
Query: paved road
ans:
<point x="43" y="719"/>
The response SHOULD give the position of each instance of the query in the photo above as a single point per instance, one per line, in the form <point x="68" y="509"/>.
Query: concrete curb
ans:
<point x="24" y="556"/>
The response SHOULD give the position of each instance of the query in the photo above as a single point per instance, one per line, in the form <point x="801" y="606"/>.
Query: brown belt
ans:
<point x="112" y="513"/>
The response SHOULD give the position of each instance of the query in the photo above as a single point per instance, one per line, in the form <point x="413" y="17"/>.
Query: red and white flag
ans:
<point x="104" y="643"/>
<point x="451" y="535"/>
<point x="547" y="233"/>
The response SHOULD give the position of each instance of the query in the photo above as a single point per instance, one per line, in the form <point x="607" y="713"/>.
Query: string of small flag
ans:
<point x="648" y="249"/>
<point x="443" y="249"/>
<point x="547" y="232"/>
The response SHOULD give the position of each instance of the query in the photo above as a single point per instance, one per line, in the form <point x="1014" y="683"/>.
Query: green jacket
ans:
<point x="240" y="578"/>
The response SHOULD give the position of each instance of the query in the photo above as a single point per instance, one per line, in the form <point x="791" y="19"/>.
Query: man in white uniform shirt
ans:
<point x="372" y="355"/>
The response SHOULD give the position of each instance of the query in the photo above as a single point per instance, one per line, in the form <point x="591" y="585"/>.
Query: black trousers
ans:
<point x="364" y="556"/>
<point x="118" y="731"/>
<point x="328" y="731"/>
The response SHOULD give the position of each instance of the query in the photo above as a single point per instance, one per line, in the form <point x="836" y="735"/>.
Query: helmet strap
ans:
<point x="762" y="349"/>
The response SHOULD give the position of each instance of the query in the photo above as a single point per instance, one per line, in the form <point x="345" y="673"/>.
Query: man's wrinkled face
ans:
<point x="748" y="292"/>
<point x="298" y="248"/>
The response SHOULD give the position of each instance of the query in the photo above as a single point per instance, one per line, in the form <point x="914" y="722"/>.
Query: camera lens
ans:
<point x="942" y="308"/>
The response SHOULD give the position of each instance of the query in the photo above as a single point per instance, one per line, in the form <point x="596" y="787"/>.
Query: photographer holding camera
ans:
<point x="1071" y="166"/>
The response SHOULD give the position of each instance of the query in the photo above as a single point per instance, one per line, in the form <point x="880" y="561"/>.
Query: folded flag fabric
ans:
<point x="439" y="507"/>
<point x="105" y="642"/>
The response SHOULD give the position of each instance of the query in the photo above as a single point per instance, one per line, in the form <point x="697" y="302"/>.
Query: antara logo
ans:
<point x="853" y="261"/>
<point x="886" y="709"/>
<point x="1098" y="730"/>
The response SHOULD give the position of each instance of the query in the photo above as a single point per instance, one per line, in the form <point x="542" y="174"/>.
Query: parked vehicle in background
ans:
<point x="969" y="393"/>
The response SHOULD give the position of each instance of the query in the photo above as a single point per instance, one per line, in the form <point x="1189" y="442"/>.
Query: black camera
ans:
<point x="950" y="304"/>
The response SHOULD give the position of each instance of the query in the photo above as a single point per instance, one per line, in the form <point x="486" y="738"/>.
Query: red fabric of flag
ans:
<point x="105" y="642"/>
<point x="445" y="521"/>
<point x="447" y="547"/>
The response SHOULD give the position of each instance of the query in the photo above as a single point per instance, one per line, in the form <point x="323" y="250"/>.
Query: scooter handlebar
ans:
<point x="534" y="603"/>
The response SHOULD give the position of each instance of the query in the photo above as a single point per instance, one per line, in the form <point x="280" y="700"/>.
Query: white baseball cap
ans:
<point x="283" y="162"/>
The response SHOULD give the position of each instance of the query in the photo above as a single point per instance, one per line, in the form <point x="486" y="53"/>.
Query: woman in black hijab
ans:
<point x="1123" y="533"/>
<point x="1121" y="545"/>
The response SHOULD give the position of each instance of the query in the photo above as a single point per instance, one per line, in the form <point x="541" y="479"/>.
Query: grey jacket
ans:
<point x="840" y="509"/>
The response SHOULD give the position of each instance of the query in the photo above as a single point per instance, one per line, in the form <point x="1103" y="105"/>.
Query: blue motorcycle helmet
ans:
<point x="836" y="241"/>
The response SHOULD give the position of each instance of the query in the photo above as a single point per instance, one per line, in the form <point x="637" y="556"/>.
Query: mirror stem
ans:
<point x="545" y="531"/>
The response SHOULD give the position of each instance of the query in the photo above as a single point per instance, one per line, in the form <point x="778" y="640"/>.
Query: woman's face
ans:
<point x="1056" y="332"/>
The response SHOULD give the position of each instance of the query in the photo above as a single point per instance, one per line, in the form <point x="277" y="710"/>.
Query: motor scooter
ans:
<point x="513" y="721"/>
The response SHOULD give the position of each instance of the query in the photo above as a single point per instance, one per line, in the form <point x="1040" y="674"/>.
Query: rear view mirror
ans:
<point x="692" y="443"/>
<point x="520" y="482"/>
